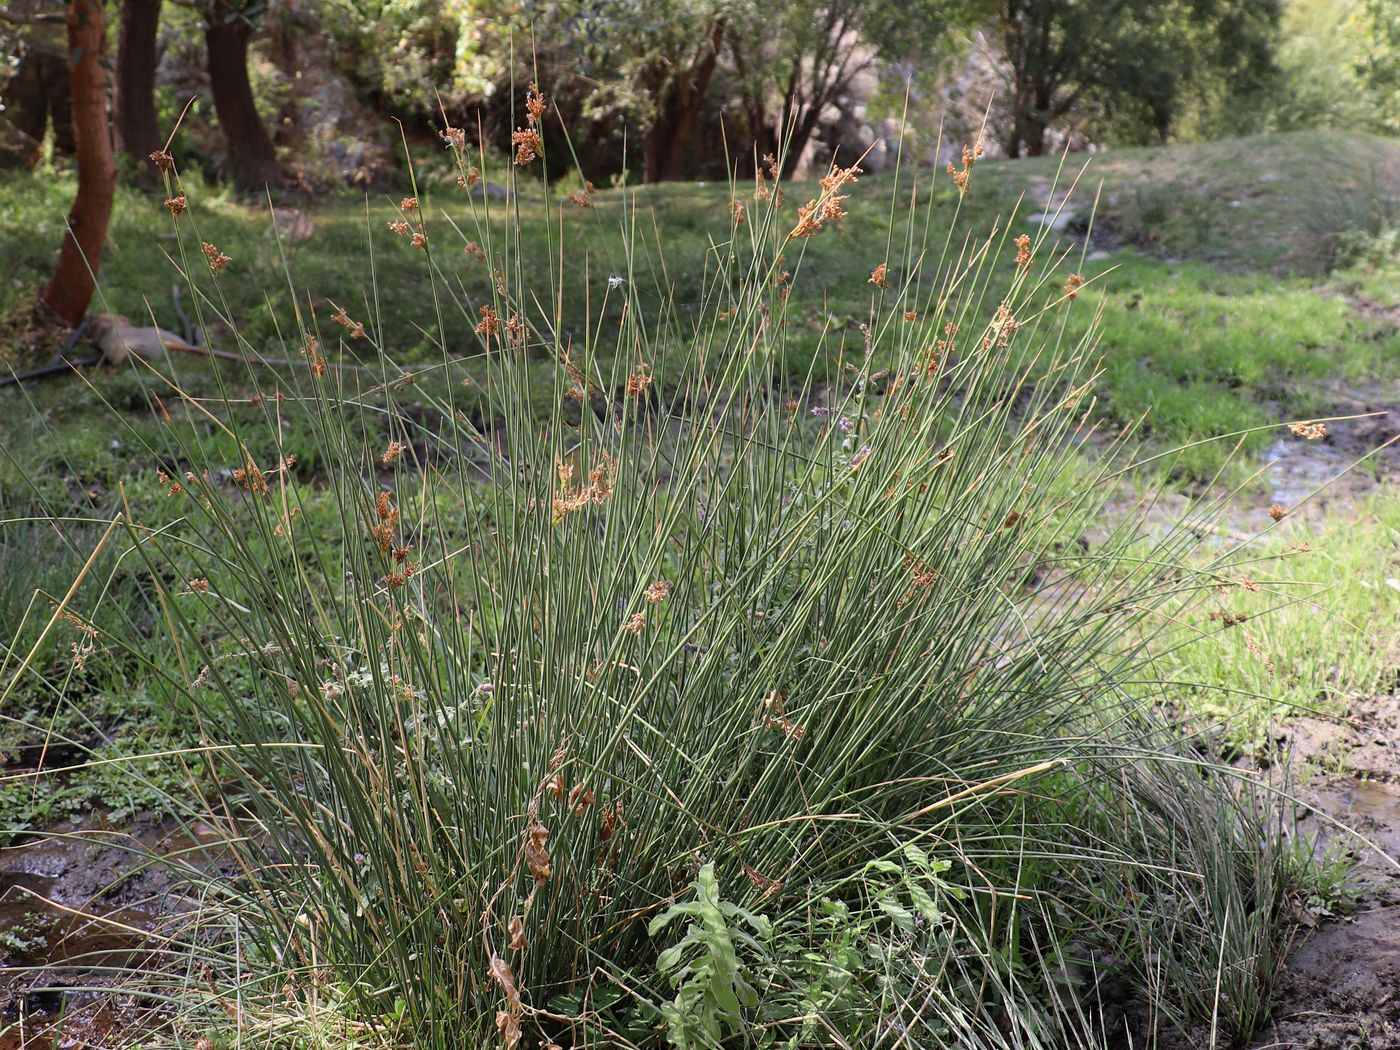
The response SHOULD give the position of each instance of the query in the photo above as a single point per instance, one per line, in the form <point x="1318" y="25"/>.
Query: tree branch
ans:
<point x="17" y="19"/>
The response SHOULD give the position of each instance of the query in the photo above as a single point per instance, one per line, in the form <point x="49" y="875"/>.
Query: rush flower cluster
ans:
<point x="826" y="208"/>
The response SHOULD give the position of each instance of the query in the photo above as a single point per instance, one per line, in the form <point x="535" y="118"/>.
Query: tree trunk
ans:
<point x="38" y="94"/>
<point x="677" y="111"/>
<point x="252" y="158"/>
<point x="690" y="100"/>
<point x="797" y="142"/>
<point x="70" y="291"/>
<point x="134" y="105"/>
<point x="1033" y="135"/>
<point x="654" y="147"/>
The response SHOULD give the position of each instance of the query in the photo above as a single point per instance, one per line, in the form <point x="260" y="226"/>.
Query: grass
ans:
<point x="1278" y="203"/>
<point x="1197" y="346"/>
<point x="768" y="696"/>
<point x="910" y="729"/>
<point x="1317" y="626"/>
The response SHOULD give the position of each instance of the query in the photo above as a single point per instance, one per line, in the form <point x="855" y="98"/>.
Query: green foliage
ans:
<point x="1132" y="66"/>
<point x="1368" y="250"/>
<point x="1323" y="57"/>
<point x="1380" y="64"/>
<point x="407" y="54"/>
<point x="704" y="966"/>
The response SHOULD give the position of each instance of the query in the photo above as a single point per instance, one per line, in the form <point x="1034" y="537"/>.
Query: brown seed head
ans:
<point x="217" y="259"/>
<point x="639" y="380"/>
<point x="808" y="221"/>
<point x="527" y="145"/>
<point x="1023" y="250"/>
<point x="490" y="323"/>
<point x="534" y="104"/>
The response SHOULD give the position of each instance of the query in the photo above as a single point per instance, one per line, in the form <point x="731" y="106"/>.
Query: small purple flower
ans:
<point x="821" y="411"/>
<point x="846" y="425"/>
<point x="360" y="859"/>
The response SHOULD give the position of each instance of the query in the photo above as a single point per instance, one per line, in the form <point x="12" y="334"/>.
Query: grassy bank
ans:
<point x="1202" y="330"/>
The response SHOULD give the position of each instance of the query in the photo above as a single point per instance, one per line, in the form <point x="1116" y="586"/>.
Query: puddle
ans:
<point x="36" y="931"/>
<point x="1372" y="810"/>
<point x="78" y="911"/>
<point x="58" y="1019"/>
<point x="1300" y="468"/>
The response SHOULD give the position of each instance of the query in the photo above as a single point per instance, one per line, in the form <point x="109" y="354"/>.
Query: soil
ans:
<point x="78" y="906"/>
<point x="1342" y="989"/>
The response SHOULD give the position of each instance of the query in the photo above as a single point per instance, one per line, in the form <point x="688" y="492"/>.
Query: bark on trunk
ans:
<point x="70" y="291"/>
<point x="134" y="106"/>
<point x="663" y="150"/>
<point x="1033" y="135"/>
<point x="797" y="142"/>
<point x="252" y="158"/>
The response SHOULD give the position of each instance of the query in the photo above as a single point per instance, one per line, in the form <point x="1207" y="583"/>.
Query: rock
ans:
<point x="118" y="339"/>
<point x="494" y="190"/>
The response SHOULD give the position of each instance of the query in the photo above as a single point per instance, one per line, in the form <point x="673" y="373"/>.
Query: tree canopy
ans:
<point x="670" y="89"/>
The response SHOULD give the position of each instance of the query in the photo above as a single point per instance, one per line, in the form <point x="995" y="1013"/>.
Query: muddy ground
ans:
<point x="88" y="901"/>
<point x="1341" y="990"/>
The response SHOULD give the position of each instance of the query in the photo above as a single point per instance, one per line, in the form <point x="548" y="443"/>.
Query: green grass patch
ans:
<point x="767" y="692"/>
<point x="1303" y="624"/>
<point x="1198" y="347"/>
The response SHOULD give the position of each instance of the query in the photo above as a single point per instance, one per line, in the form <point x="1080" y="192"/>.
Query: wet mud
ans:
<point x="81" y="909"/>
